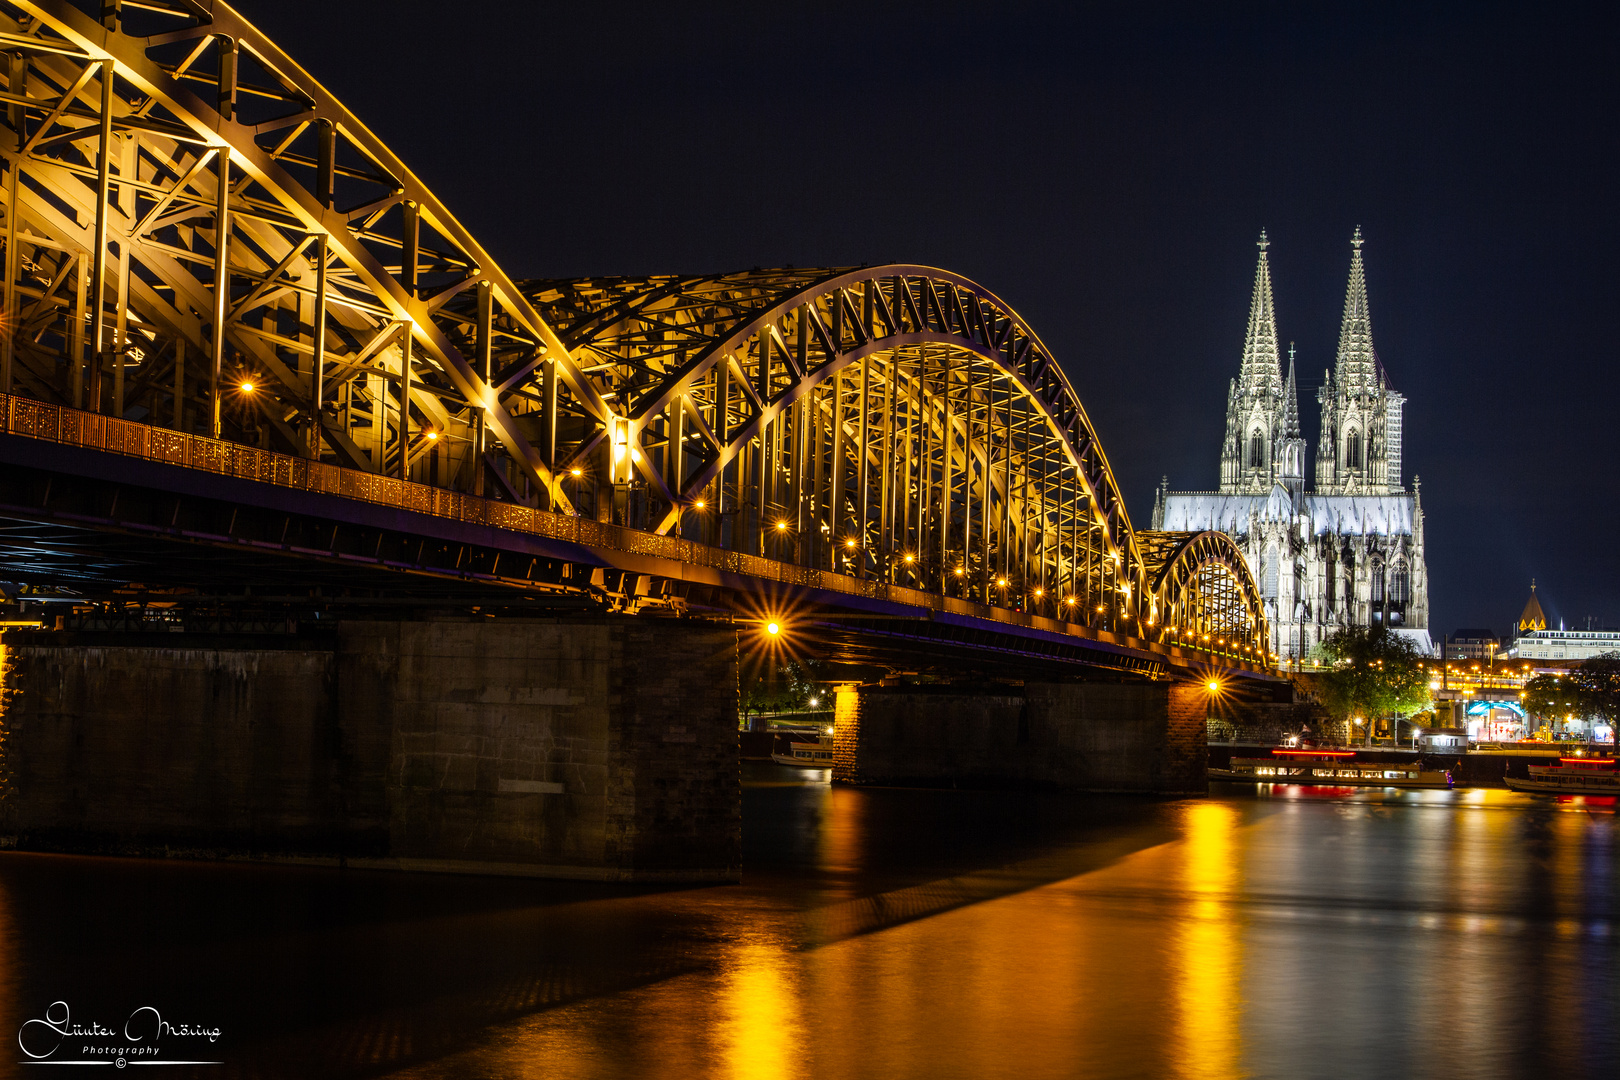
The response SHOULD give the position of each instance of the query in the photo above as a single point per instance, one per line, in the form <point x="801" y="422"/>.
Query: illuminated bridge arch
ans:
<point x="1202" y="589"/>
<point x="199" y="237"/>
<point x="897" y="422"/>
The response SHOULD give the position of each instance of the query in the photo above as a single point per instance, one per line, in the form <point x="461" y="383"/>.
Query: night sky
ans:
<point x="1106" y="172"/>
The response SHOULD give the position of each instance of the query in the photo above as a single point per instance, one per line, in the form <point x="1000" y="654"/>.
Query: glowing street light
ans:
<point x="773" y="629"/>
<point x="247" y="387"/>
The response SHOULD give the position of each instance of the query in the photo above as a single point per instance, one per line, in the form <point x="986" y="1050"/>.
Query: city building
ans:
<point x="1565" y="644"/>
<point x="1349" y="551"/>
<point x="1473" y="645"/>
<point x="1535" y="641"/>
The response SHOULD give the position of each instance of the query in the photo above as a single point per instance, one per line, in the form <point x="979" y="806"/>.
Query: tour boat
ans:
<point x="1329" y="768"/>
<point x="808" y="755"/>
<point x="1571" y="776"/>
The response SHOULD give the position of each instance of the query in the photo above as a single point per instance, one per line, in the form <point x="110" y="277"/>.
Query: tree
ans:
<point x="1596" y="682"/>
<point x="1551" y="698"/>
<point x="785" y="687"/>
<point x="1374" y="673"/>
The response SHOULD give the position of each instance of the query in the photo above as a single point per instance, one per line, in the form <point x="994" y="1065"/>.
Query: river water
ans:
<point x="887" y="933"/>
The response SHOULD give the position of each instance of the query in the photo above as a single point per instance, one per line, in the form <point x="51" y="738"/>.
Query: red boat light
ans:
<point x="1587" y="760"/>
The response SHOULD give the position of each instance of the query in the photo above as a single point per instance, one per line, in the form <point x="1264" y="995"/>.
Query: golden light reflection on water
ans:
<point x="763" y="1037"/>
<point x="1209" y="987"/>
<point x="1313" y="939"/>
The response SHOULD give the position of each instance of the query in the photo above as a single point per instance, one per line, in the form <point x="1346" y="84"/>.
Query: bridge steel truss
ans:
<point x="199" y="236"/>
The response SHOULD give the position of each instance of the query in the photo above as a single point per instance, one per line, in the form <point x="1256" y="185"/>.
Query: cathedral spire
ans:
<point x="1291" y="400"/>
<point x="1250" y="456"/>
<point x="1357" y="370"/>
<point x="1262" y="366"/>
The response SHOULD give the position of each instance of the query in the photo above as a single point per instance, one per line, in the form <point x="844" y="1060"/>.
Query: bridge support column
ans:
<point x="847" y="734"/>
<point x="1146" y="737"/>
<point x="587" y="748"/>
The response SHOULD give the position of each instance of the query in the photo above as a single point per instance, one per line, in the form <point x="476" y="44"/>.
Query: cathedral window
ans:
<point x="1257" y="450"/>
<point x="1377" y="583"/>
<point x="1268" y="573"/>
<point x="1399" y="584"/>
<point x="1352" y="450"/>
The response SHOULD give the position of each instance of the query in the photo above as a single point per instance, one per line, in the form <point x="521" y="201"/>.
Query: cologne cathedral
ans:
<point x="1348" y="551"/>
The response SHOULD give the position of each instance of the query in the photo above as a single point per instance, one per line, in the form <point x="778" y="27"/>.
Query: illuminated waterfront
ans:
<point x="894" y="933"/>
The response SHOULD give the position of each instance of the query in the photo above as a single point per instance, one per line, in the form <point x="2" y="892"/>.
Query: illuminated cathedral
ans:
<point x="1348" y="551"/>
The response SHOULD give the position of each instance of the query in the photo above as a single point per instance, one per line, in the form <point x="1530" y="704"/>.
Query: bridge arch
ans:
<point x="1202" y="590"/>
<point x="903" y="412"/>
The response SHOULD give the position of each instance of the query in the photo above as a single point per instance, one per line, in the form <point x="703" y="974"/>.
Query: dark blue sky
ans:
<point x="1106" y="172"/>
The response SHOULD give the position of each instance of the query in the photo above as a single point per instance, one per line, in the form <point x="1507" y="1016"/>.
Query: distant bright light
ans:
<point x="773" y="628"/>
<point x="850" y="543"/>
<point x="911" y="558"/>
<point x="1002" y="582"/>
<point x="699" y="504"/>
<point x="815" y="701"/>
<point x="781" y="526"/>
<point x="576" y="472"/>
<point x="433" y="434"/>
<point x="960" y="571"/>
<point x="1040" y="592"/>
<point x="247" y="388"/>
<point x="1213" y="686"/>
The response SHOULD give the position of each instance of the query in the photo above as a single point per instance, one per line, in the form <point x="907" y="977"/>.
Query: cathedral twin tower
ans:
<point x="1349" y="552"/>
<point x="1360" y="448"/>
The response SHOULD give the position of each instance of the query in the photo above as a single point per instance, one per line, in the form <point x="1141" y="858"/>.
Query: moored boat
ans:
<point x="1329" y="768"/>
<point x="1571" y="776"/>
<point x="808" y="755"/>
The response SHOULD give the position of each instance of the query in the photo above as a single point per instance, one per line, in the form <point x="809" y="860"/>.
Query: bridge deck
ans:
<point x="53" y="439"/>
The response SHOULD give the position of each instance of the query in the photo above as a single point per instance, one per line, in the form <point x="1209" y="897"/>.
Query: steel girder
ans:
<point x="894" y="421"/>
<point x="189" y="214"/>
<point x="1203" y="591"/>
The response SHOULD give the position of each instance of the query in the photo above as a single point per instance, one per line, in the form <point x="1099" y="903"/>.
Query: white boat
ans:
<point x="1329" y="768"/>
<point x="1571" y="776"/>
<point x="808" y="755"/>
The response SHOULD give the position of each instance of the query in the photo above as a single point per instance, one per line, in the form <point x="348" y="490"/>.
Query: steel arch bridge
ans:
<point x="199" y="237"/>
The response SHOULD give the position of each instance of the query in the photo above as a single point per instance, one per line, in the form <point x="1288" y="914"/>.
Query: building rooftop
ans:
<point x="1532" y="618"/>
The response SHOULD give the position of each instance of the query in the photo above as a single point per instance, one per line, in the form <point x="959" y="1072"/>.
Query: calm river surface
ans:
<point x="889" y="933"/>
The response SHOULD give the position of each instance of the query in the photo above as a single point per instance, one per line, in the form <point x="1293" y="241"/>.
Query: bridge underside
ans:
<point x="113" y="541"/>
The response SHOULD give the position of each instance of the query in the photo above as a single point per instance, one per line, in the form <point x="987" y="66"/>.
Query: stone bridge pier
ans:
<point x="1141" y="737"/>
<point x="600" y="748"/>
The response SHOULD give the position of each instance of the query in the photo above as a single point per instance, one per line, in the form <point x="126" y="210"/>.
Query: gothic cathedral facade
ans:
<point x="1350" y="550"/>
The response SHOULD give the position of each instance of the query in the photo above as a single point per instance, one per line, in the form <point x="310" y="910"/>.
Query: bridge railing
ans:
<point x="93" y="431"/>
